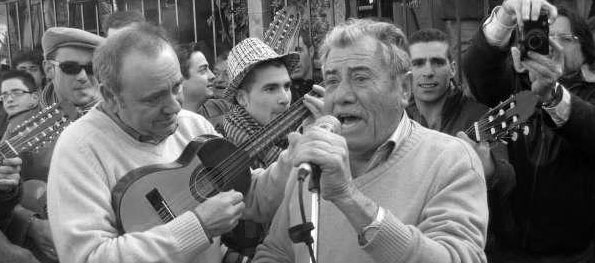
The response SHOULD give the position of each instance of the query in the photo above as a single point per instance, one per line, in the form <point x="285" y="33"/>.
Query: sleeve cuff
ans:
<point x="560" y="113"/>
<point x="390" y="241"/>
<point x="189" y="233"/>
<point x="496" y="33"/>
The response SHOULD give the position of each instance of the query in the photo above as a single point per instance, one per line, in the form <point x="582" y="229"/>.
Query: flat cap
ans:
<point x="57" y="37"/>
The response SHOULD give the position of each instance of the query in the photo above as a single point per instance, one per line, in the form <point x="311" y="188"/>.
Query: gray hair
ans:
<point x="391" y="40"/>
<point x="147" y="39"/>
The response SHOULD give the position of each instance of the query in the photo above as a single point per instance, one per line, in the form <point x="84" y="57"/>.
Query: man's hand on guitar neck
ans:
<point x="9" y="173"/>
<point x="220" y="213"/>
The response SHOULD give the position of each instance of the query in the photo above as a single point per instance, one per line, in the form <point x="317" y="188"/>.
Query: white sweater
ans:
<point x="90" y="157"/>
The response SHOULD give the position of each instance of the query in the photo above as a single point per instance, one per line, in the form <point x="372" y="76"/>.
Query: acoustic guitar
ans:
<point x="152" y="195"/>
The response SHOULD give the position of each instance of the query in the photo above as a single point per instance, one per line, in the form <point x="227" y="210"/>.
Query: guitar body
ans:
<point x="153" y="195"/>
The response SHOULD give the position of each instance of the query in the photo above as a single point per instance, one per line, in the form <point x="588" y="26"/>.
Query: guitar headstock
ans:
<point x="283" y="31"/>
<point x="506" y="120"/>
<point x="42" y="128"/>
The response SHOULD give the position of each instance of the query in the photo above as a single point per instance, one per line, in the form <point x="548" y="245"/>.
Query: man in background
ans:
<point x="119" y="20"/>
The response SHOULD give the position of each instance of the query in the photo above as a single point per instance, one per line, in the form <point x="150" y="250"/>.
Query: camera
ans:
<point x="535" y="36"/>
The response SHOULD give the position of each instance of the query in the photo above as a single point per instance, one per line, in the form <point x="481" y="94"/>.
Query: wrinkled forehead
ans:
<point x="359" y="54"/>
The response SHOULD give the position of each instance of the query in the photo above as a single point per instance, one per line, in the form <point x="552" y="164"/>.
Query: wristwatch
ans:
<point x="368" y="232"/>
<point x="556" y="97"/>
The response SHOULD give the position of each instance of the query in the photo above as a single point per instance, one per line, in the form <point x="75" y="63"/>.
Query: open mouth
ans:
<point x="428" y="85"/>
<point x="348" y="120"/>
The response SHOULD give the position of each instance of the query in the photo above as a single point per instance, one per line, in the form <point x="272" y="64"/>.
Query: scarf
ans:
<point x="239" y="126"/>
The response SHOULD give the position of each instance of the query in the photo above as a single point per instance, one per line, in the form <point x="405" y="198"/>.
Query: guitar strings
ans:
<point x="268" y="133"/>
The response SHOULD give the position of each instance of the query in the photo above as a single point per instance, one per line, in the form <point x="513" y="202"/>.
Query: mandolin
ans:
<point x="152" y="195"/>
<point x="33" y="134"/>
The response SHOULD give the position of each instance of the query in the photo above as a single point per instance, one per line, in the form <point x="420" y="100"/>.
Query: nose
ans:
<point x="210" y="76"/>
<point x="343" y="94"/>
<point x="83" y="76"/>
<point x="284" y="96"/>
<point x="427" y="70"/>
<point x="172" y="105"/>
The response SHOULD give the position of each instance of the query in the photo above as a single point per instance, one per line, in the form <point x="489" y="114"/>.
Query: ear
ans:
<point x="453" y="69"/>
<point x="406" y="84"/>
<point x="111" y="99"/>
<point x="35" y="96"/>
<point x="242" y="97"/>
<point x="49" y="70"/>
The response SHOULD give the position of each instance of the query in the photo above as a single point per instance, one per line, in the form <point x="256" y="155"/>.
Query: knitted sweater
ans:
<point x="433" y="190"/>
<point x="90" y="157"/>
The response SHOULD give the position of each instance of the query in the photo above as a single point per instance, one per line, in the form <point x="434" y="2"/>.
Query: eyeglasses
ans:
<point x="568" y="38"/>
<point x="73" y="68"/>
<point x="15" y="94"/>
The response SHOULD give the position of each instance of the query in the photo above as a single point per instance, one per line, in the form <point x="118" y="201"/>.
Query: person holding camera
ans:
<point x="549" y="215"/>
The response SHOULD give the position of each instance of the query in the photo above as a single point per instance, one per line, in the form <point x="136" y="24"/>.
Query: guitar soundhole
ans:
<point x="202" y="184"/>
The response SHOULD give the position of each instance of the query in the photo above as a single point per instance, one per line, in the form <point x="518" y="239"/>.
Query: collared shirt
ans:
<point x="394" y="142"/>
<point x="129" y="130"/>
<point x="497" y="34"/>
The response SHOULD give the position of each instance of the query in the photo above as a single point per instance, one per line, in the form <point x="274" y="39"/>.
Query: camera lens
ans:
<point x="536" y="39"/>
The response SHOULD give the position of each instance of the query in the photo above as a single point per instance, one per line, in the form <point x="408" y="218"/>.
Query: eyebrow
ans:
<point x="163" y="92"/>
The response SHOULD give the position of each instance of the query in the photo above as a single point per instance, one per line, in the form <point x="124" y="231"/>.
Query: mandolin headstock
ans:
<point x="505" y="121"/>
<point x="39" y="130"/>
<point x="283" y="31"/>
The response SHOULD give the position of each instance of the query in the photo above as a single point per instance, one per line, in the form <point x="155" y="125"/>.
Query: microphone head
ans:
<point x="329" y="123"/>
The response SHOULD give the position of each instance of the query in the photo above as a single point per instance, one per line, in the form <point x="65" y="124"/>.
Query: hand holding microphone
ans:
<point x="320" y="148"/>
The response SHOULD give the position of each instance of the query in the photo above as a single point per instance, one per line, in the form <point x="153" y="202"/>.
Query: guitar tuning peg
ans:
<point x="492" y="130"/>
<point x="515" y="119"/>
<point x="525" y="130"/>
<point x="501" y="112"/>
<point x="503" y="124"/>
<point x="490" y="118"/>
<point x="514" y="136"/>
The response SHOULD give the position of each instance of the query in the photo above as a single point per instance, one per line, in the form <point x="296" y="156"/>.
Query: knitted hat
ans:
<point x="248" y="54"/>
<point x="57" y="37"/>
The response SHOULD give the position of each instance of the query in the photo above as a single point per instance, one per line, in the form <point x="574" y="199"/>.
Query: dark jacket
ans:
<point x="552" y="206"/>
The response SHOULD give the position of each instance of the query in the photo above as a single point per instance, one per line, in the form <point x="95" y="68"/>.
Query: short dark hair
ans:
<point x="32" y="56"/>
<point x="25" y="77"/>
<point x="580" y="29"/>
<point x="121" y="19"/>
<point x="431" y="35"/>
<point x="249" y="79"/>
<point x="184" y="52"/>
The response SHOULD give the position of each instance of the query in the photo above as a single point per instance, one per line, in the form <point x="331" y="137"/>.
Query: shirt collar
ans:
<point x="127" y="129"/>
<point x="394" y="141"/>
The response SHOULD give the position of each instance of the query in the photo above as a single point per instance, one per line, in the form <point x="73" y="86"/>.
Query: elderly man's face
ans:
<point x="80" y="87"/>
<point x="362" y="95"/>
<point x="150" y="91"/>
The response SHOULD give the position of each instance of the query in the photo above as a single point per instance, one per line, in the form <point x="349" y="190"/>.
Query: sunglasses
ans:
<point x="73" y="68"/>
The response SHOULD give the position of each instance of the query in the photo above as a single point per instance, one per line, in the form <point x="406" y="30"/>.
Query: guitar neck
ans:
<point x="280" y="126"/>
<point x="7" y="150"/>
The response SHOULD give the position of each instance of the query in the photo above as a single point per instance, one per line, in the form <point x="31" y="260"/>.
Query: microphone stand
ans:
<point x="315" y="220"/>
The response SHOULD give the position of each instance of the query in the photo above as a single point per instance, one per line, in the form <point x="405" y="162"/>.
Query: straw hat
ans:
<point x="248" y="54"/>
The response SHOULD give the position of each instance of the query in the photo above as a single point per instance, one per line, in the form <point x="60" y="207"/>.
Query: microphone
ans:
<point x="328" y="123"/>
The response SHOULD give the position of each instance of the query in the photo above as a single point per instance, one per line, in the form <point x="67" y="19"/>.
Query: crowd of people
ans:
<point x="401" y="178"/>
